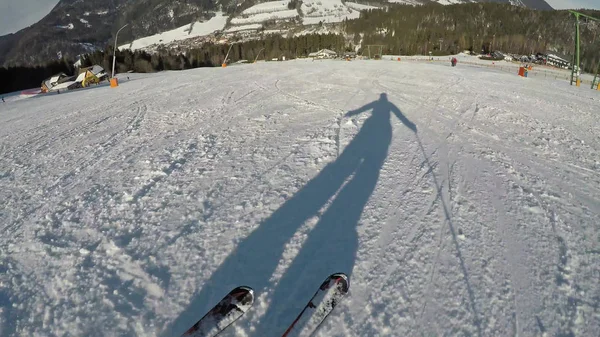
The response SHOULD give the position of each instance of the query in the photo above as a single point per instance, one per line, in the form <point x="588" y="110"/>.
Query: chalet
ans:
<point x="323" y="54"/>
<point x="50" y="83"/>
<point x="349" y="55"/>
<point x="91" y="75"/>
<point x="87" y="76"/>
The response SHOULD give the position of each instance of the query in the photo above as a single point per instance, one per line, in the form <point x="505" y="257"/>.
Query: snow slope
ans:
<point x="184" y="32"/>
<point x="358" y="7"/>
<point x="262" y="17"/>
<point x="461" y="201"/>
<point x="234" y="29"/>
<point x="268" y="7"/>
<point x="326" y="11"/>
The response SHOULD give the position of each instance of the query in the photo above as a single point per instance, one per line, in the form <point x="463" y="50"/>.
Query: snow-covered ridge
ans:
<point x="267" y="7"/>
<point x="262" y="17"/>
<point x="98" y="12"/>
<point x="253" y="18"/>
<point x="253" y="26"/>
<point x="359" y="7"/>
<point x="191" y="30"/>
<point x="327" y="11"/>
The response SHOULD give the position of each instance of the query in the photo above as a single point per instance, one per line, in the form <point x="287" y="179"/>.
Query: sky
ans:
<point x="571" y="4"/>
<point x="18" y="14"/>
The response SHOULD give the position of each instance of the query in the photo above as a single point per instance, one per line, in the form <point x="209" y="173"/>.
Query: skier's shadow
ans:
<point x="330" y="246"/>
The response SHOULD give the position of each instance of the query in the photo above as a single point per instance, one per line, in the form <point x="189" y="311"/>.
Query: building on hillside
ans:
<point x="497" y="55"/>
<point x="68" y="85"/>
<point x="557" y="61"/>
<point x="50" y="83"/>
<point x="323" y="54"/>
<point x="91" y="75"/>
<point x="524" y="59"/>
<point x="349" y="55"/>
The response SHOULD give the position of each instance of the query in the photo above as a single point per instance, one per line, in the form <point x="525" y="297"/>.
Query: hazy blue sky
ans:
<point x="18" y="14"/>
<point x="570" y="4"/>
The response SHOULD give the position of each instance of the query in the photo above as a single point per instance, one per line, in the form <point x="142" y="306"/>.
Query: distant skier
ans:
<point x="3" y="100"/>
<point x="454" y="61"/>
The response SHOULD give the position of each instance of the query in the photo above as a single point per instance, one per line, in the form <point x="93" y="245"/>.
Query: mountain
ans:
<point x="74" y="27"/>
<point x="534" y="4"/>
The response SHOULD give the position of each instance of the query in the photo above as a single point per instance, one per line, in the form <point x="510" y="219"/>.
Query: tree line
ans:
<point x="208" y="55"/>
<point x="478" y="27"/>
<point x="19" y="78"/>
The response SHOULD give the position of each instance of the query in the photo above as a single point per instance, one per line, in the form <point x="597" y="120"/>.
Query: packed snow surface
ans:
<point x="460" y="201"/>
<point x="194" y="29"/>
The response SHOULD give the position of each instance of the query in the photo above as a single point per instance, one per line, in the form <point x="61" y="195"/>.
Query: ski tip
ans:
<point x="244" y="294"/>
<point x="244" y="288"/>
<point x="341" y="277"/>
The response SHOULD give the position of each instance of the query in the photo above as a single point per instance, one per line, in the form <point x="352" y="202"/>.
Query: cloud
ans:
<point x="18" y="14"/>
<point x="574" y="4"/>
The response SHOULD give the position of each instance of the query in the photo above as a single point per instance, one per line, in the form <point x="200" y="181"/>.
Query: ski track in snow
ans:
<point x="131" y="211"/>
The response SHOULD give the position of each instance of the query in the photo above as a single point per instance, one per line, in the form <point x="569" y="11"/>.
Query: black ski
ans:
<point x="319" y="307"/>
<point x="222" y="315"/>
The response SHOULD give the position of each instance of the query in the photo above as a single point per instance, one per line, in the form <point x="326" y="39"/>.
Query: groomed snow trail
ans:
<point x="460" y="201"/>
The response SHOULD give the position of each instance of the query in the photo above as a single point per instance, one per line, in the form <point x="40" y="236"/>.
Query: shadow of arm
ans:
<point x="359" y="110"/>
<point x="403" y="118"/>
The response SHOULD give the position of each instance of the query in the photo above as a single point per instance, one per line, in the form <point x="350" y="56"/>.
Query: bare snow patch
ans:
<point x="406" y="2"/>
<point x="268" y="7"/>
<point x="327" y="11"/>
<point x="69" y="26"/>
<point x="255" y="26"/>
<point x="359" y="7"/>
<point x="262" y="17"/>
<point x="85" y="22"/>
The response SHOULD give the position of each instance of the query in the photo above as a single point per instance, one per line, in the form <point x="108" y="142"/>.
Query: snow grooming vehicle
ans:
<point x="239" y="300"/>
